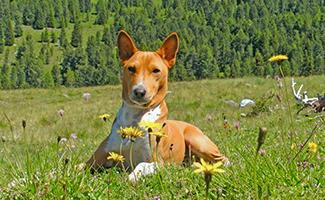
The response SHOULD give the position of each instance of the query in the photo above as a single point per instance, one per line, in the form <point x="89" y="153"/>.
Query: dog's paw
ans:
<point x="142" y="169"/>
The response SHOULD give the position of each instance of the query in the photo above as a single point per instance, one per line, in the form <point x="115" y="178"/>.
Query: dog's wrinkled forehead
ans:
<point x="146" y="60"/>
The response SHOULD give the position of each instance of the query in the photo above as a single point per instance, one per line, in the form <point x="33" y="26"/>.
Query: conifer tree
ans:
<point x="18" y="29"/>
<point x="53" y="37"/>
<point x="9" y="33"/>
<point x="5" y="71"/>
<point x="56" y="75"/>
<point x="40" y="17"/>
<point x="13" y="77"/>
<point x="76" y="38"/>
<point x="45" y="36"/>
<point x="2" y="44"/>
<point x="63" y="38"/>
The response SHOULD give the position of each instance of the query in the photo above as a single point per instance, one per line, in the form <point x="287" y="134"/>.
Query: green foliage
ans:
<point x="53" y="37"/>
<point x="76" y="39"/>
<point x="219" y="39"/>
<point x="9" y="33"/>
<point x="63" y="38"/>
<point x="2" y="43"/>
<point x="5" y="72"/>
<point x="45" y="36"/>
<point x="70" y="78"/>
<point x="56" y="74"/>
<point x="47" y="80"/>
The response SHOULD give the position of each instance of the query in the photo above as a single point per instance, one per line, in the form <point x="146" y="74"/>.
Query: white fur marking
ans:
<point x="152" y="115"/>
<point x="143" y="169"/>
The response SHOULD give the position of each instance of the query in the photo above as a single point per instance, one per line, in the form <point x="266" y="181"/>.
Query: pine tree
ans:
<point x="47" y="80"/>
<point x="93" y="52"/>
<point x="45" y="36"/>
<point x="101" y="12"/>
<point x="18" y="29"/>
<point x="53" y="37"/>
<point x="63" y="38"/>
<point x="106" y="36"/>
<point x="40" y="17"/>
<point x="50" y="21"/>
<point x="74" y="9"/>
<point x="1" y="39"/>
<point x="21" y="78"/>
<point x="13" y="77"/>
<point x="5" y="72"/>
<point x="56" y="75"/>
<point x="70" y="82"/>
<point x="76" y="38"/>
<point x="32" y="64"/>
<point x="28" y="14"/>
<point x="9" y="34"/>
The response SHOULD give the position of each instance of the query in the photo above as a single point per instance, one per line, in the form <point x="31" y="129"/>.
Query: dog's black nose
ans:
<point x="139" y="92"/>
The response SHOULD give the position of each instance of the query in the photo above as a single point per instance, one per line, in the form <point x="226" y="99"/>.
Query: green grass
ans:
<point x="33" y="156"/>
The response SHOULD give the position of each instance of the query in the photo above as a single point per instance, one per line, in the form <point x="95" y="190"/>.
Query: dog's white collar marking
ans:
<point x="130" y="116"/>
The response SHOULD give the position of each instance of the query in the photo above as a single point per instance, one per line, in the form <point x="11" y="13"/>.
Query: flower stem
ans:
<point x="288" y="105"/>
<point x="131" y="161"/>
<point x="207" y="178"/>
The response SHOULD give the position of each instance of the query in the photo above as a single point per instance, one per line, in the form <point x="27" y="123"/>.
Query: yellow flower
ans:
<point x="105" y="117"/>
<point x="207" y="168"/>
<point x="158" y="134"/>
<point x="278" y="58"/>
<point x="115" y="157"/>
<point x="153" y="128"/>
<point x="293" y="146"/>
<point x="151" y="125"/>
<point x="312" y="147"/>
<point x="130" y="132"/>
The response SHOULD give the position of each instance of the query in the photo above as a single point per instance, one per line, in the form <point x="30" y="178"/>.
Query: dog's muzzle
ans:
<point x="138" y="94"/>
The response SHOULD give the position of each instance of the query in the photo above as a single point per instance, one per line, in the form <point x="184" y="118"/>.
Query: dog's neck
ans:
<point x="129" y="115"/>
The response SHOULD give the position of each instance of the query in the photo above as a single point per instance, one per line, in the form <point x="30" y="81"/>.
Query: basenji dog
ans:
<point x="144" y="80"/>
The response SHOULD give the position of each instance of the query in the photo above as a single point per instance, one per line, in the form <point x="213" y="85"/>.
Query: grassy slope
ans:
<point x="33" y="154"/>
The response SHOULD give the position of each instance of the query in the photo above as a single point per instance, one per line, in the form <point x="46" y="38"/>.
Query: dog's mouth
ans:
<point x="142" y="102"/>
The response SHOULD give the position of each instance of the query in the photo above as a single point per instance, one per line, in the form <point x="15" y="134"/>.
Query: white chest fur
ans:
<point x="131" y="116"/>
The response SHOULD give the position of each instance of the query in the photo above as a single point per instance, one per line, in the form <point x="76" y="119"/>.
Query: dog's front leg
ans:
<point x="99" y="158"/>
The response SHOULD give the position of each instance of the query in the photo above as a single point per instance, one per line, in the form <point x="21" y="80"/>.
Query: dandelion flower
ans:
<point x="207" y="168"/>
<point x="104" y="117"/>
<point x="150" y="125"/>
<point x="293" y="146"/>
<point x="115" y="157"/>
<point x="130" y="132"/>
<point x="278" y="58"/>
<point x="312" y="147"/>
<point x="158" y="134"/>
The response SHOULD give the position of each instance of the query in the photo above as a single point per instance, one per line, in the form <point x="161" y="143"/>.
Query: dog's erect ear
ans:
<point x="125" y="45"/>
<point x="169" y="49"/>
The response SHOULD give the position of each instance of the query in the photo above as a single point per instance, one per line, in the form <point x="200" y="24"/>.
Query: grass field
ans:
<point x="34" y="166"/>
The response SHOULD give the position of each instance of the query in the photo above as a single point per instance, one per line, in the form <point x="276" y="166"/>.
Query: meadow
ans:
<point x="34" y="165"/>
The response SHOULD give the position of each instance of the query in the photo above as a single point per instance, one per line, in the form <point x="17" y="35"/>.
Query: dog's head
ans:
<point x="145" y="73"/>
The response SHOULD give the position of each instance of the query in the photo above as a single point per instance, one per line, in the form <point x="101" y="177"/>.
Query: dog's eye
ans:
<point x="156" y="71"/>
<point x="131" y="69"/>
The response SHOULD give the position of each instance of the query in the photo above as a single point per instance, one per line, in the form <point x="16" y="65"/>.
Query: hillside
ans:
<point x="33" y="165"/>
<point x="46" y="43"/>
